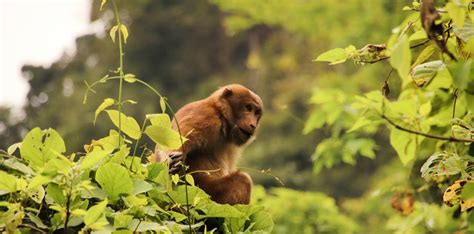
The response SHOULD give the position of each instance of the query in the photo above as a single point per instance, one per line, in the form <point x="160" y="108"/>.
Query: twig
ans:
<point x="455" y="95"/>
<point x="387" y="57"/>
<point x="452" y="139"/>
<point x="265" y="172"/>
<point x="33" y="227"/>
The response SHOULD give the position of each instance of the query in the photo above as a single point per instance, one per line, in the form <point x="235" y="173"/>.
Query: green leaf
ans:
<point x="400" y="58"/>
<point x="468" y="191"/>
<point x="122" y="220"/>
<point x="212" y="209"/>
<point x="154" y="169"/>
<point x="457" y="13"/>
<point x="465" y="32"/>
<point x="462" y="73"/>
<point x="442" y="164"/>
<point x="15" y="164"/>
<point x="13" y="148"/>
<point x="38" y="180"/>
<point x="178" y="217"/>
<point x="109" y="142"/>
<point x="114" y="179"/>
<point x="359" y="123"/>
<point x="316" y="120"/>
<point x="128" y="124"/>
<point x="404" y="143"/>
<point x="425" y="54"/>
<point x="144" y="226"/>
<point x="166" y="137"/>
<point x="162" y="119"/>
<point x="113" y="32"/>
<point x="94" y="157"/>
<point x="262" y="221"/>
<point x="7" y="182"/>
<point x="95" y="213"/>
<point x="333" y="56"/>
<point x="163" y="104"/>
<point x="418" y="35"/>
<point x="106" y="103"/>
<point x="36" y="220"/>
<point x="190" y="179"/>
<point x="175" y="178"/>
<point x="124" y="31"/>
<point x="102" y="4"/>
<point x="141" y="186"/>
<point x="119" y="156"/>
<point x="423" y="73"/>
<point x="56" y="193"/>
<point x="195" y="194"/>
<point x="39" y="147"/>
<point x="130" y="78"/>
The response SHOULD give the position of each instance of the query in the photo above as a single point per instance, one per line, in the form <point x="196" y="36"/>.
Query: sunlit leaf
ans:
<point x="113" y="32"/>
<point x="124" y="31"/>
<point x="95" y="213"/>
<point x="166" y="137"/>
<point x="13" y="148"/>
<point x="457" y="13"/>
<point x="400" y="58"/>
<point x="102" y="4"/>
<point x="424" y="73"/>
<point x="462" y="73"/>
<point x="404" y="143"/>
<point x="94" y="157"/>
<point x="114" y="179"/>
<point x="333" y="56"/>
<point x="39" y="146"/>
<point x="106" y="103"/>
<point x="56" y="193"/>
<point x="7" y="182"/>
<point x="466" y="32"/>
<point x="130" y="78"/>
<point x="128" y="124"/>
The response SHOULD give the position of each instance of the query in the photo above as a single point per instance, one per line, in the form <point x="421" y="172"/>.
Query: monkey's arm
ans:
<point x="234" y="188"/>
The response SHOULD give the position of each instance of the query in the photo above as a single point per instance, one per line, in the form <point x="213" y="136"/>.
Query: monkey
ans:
<point x="218" y="128"/>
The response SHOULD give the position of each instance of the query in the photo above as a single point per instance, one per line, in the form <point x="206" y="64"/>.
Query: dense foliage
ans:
<point x="430" y="117"/>
<point x="412" y="98"/>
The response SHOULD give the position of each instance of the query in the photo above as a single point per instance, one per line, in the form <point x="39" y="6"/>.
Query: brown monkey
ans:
<point x="219" y="127"/>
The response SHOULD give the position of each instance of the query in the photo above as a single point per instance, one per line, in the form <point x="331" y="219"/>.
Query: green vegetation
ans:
<point x="378" y="142"/>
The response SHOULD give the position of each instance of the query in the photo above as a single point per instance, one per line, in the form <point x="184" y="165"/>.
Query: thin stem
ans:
<point x="455" y="99"/>
<point x="136" y="143"/>
<point x="443" y="138"/>
<point x="265" y="172"/>
<point x="33" y="227"/>
<point x="387" y="57"/>
<point x="68" y="204"/>
<point x="121" y="73"/>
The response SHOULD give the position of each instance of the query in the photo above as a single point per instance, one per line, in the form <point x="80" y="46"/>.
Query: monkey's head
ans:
<point x="241" y="109"/>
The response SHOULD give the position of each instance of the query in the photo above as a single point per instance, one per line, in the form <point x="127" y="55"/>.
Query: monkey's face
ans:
<point x="246" y="108"/>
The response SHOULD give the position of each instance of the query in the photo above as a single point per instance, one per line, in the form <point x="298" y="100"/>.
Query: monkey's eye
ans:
<point x="248" y="107"/>
<point x="258" y="112"/>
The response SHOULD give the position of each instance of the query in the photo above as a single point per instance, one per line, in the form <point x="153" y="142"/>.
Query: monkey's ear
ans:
<point x="227" y="92"/>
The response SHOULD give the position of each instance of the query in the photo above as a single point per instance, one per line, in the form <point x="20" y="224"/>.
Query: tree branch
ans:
<point x="443" y="138"/>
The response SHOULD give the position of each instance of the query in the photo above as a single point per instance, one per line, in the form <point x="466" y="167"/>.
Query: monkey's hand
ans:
<point x="175" y="161"/>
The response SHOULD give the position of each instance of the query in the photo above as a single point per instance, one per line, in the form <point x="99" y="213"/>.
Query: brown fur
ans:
<point x="219" y="127"/>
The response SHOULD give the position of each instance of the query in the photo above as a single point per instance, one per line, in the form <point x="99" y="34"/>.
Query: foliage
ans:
<point x="317" y="213"/>
<point x="432" y="114"/>
<point x="108" y="187"/>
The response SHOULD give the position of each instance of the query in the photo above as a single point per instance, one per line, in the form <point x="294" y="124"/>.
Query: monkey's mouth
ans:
<point x="246" y="133"/>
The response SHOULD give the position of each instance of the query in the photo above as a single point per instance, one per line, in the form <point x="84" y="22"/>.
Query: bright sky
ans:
<point x="35" y="32"/>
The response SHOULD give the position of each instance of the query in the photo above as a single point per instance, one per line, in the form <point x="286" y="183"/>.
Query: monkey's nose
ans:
<point x="252" y="126"/>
